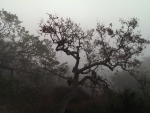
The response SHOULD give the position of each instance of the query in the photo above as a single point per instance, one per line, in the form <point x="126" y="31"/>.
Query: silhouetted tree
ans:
<point x="102" y="47"/>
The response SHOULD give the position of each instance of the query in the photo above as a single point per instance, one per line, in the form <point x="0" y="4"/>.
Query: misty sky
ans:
<point x="85" y="12"/>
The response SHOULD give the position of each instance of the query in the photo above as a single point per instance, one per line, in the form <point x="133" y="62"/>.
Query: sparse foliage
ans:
<point x="97" y="46"/>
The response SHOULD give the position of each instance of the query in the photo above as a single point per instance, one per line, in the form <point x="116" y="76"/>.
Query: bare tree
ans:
<point x="102" y="47"/>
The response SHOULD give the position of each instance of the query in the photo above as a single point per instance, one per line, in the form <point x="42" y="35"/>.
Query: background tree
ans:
<point x="102" y="47"/>
<point x="25" y="55"/>
<point x="123" y="80"/>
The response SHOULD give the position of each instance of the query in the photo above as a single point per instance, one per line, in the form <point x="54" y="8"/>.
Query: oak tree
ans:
<point x="102" y="46"/>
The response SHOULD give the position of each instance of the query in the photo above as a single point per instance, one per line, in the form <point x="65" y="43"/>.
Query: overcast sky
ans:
<point x="85" y="12"/>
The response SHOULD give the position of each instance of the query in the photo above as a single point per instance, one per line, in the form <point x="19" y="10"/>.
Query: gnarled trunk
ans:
<point x="65" y="101"/>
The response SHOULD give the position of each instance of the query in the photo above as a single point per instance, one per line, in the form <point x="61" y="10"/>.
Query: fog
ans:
<point x="31" y="79"/>
<point x="85" y="12"/>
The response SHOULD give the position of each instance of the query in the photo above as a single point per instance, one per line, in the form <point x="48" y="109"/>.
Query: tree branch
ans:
<point x="96" y="64"/>
<point x="86" y="78"/>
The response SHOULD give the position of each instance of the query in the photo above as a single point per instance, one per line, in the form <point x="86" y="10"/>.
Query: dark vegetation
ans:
<point x="33" y="81"/>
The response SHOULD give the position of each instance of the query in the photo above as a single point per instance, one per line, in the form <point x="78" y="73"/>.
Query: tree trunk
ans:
<point x="65" y="101"/>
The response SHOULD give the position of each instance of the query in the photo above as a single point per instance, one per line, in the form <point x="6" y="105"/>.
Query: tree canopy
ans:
<point x="23" y="53"/>
<point x="102" y="46"/>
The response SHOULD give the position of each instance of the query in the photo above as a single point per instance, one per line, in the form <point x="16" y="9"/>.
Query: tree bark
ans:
<point x="65" y="101"/>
